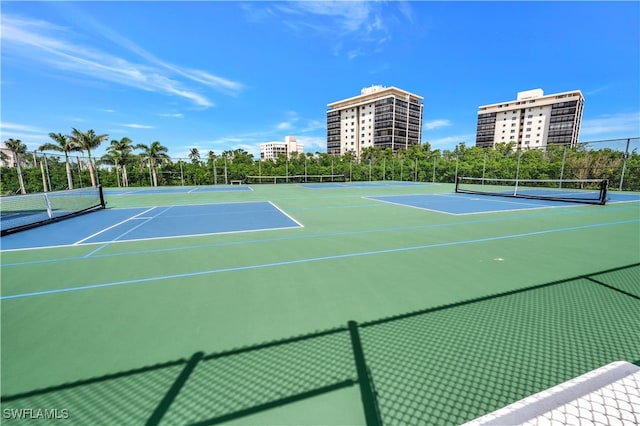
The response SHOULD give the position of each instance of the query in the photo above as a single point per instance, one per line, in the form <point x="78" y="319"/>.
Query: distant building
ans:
<point x="6" y="159"/>
<point x="533" y="120"/>
<point x="385" y="117"/>
<point x="271" y="150"/>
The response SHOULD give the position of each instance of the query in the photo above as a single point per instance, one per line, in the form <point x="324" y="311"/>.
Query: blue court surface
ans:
<point x="462" y="204"/>
<point x="113" y="225"/>
<point x="176" y="190"/>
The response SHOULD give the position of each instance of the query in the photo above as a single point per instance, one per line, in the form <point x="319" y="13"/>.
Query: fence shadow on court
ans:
<point x="444" y="365"/>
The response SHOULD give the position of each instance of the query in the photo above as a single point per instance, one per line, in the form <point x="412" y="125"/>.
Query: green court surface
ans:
<point x="457" y="315"/>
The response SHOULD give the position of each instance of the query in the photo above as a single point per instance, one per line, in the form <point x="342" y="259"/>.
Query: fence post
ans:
<point x="367" y="391"/>
<point x="564" y="156"/>
<point x="624" y="163"/>
<point x="434" y="170"/>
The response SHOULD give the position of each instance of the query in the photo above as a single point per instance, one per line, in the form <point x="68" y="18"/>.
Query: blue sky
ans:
<point x="227" y="75"/>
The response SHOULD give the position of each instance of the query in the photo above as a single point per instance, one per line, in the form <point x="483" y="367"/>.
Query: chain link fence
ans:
<point x="617" y="160"/>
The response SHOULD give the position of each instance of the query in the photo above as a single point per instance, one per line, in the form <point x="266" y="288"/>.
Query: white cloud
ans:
<point x="138" y="126"/>
<point x="450" y="142"/>
<point x="172" y="115"/>
<point x="285" y="125"/>
<point x="5" y="126"/>
<point x="290" y="122"/>
<point x="40" y="41"/>
<point x="610" y="125"/>
<point x="313" y="144"/>
<point x="31" y="136"/>
<point x="434" y="124"/>
<point x="355" y="28"/>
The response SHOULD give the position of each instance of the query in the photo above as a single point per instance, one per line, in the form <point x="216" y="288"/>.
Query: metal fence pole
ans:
<point x="44" y="178"/>
<point x="624" y="163"/>
<point x="564" y="156"/>
<point x="46" y="167"/>
<point x="433" y="180"/>
<point x="79" y="170"/>
<point x="455" y="179"/>
<point x="515" y="191"/>
<point x="484" y="166"/>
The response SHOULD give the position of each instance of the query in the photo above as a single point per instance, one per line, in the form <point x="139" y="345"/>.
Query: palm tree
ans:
<point x="155" y="154"/>
<point x="119" y="154"/>
<point x="194" y="155"/>
<point x="88" y="141"/>
<point x="17" y="148"/>
<point x="65" y="145"/>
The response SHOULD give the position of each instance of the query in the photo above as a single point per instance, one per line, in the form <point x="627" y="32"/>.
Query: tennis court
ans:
<point x="308" y="303"/>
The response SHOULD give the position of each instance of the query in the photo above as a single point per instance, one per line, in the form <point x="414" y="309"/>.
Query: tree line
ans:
<point x="128" y="164"/>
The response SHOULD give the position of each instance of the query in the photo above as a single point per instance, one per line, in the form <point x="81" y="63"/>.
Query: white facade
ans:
<point x="533" y="120"/>
<point x="271" y="150"/>
<point x="386" y="117"/>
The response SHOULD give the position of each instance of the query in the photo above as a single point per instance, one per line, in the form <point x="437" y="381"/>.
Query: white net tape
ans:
<point x="609" y="395"/>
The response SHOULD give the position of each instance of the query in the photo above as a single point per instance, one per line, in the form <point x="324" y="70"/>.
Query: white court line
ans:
<point x="286" y="214"/>
<point x="111" y="227"/>
<point x="312" y="259"/>
<point x="530" y="206"/>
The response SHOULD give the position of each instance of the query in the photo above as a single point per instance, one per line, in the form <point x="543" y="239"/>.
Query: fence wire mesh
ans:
<point x="617" y="160"/>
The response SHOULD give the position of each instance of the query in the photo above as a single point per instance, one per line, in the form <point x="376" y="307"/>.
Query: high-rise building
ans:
<point x="271" y="150"/>
<point x="533" y="120"/>
<point x="379" y="117"/>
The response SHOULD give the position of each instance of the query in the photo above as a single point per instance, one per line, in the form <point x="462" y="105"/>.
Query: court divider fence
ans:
<point x="617" y="160"/>
<point x="443" y="365"/>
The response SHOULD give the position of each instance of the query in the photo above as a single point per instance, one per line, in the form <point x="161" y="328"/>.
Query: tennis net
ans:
<point x="295" y="179"/>
<point x="21" y="212"/>
<point x="590" y="191"/>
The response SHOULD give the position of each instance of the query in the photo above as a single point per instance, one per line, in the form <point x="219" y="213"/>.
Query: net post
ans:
<point x="103" y="204"/>
<point x="603" y="191"/>
<point x="367" y="392"/>
<point x="458" y="184"/>
<point x="47" y="203"/>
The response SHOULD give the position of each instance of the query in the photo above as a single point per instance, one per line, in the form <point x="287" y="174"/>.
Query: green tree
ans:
<point x="155" y="155"/>
<point x="194" y="156"/>
<point x="119" y="154"/>
<point x="65" y="145"/>
<point x="88" y="141"/>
